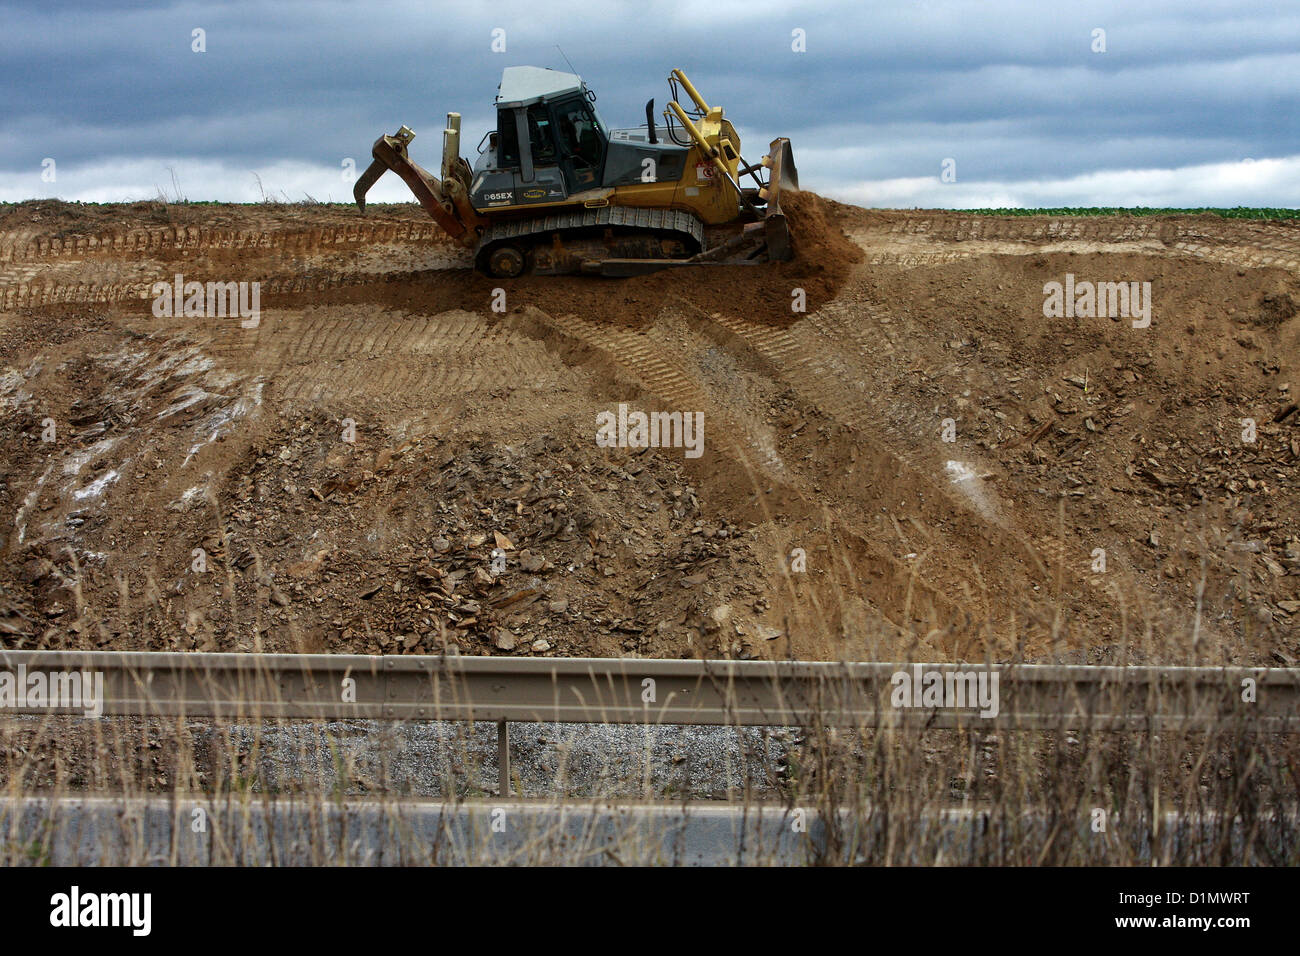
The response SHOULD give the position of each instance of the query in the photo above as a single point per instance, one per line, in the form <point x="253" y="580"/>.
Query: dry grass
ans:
<point x="339" y="792"/>
<point x="281" y="791"/>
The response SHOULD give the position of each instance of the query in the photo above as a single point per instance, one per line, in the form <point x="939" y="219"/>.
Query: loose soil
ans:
<point x="387" y="463"/>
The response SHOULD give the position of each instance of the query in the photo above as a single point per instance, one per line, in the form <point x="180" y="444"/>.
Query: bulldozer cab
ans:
<point x="549" y="141"/>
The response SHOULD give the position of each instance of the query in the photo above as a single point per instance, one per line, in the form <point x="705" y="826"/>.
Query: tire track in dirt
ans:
<point x="1049" y="555"/>
<point x="1250" y="257"/>
<point x="805" y="357"/>
<point x="1253" y="245"/>
<point x="34" y="295"/>
<point x="800" y="357"/>
<point x="325" y="355"/>
<point x="22" y="247"/>
<point x="914" y="254"/>
<point x="894" y="587"/>
<point x="633" y="355"/>
<point x="1119" y="589"/>
<point x="1032" y="229"/>
<point x="838" y="360"/>
<point x="1066" y="564"/>
<point x="52" y="282"/>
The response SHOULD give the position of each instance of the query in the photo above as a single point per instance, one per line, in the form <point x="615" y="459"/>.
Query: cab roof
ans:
<point x="525" y="85"/>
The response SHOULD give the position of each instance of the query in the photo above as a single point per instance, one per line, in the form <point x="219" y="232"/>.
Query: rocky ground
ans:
<point x="396" y="458"/>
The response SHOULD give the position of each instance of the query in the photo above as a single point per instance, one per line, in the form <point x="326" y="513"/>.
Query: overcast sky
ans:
<point x="1192" y="102"/>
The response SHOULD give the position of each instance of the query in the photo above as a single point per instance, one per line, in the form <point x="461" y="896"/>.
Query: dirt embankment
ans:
<point x="921" y="463"/>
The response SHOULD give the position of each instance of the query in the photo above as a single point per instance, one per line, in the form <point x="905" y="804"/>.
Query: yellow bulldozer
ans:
<point x="554" y="191"/>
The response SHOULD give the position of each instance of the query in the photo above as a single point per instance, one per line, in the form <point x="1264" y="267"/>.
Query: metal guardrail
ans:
<point x="617" y="690"/>
<point x="252" y="687"/>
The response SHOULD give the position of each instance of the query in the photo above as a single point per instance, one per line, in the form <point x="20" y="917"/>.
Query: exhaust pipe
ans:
<point x="650" y="120"/>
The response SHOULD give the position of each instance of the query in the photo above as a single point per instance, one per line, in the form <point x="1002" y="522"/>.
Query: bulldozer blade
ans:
<point x="783" y="168"/>
<point x="782" y="177"/>
<point x="367" y="179"/>
<point x="777" y="233"/>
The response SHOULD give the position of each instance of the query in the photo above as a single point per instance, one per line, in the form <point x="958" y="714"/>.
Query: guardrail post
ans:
<point x="503" y="759"/>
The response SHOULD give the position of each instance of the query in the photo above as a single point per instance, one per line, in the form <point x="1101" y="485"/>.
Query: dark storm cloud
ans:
<point x="1011" y="90"/>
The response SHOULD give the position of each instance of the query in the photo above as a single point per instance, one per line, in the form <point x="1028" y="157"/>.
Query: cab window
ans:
<point x="579" y="134"/>
<point x="540" y="136"/>
<point x="508" y="138"/>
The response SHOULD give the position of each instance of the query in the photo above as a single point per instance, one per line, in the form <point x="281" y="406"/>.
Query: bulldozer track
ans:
<point x="633" y="354"/>
<point x="799" y="363"/>
<point x="44" y="271"/>
<point x="661" y="372"/>
<point x="643" y="357"/>
<point x="800" y="357"/>
<point x="24" y="246"/>
<point x="1254" y="245"/>
<point x="202" y="238"/>
<point x="421" y="358"/>
<point x="929" y="241"/>
<point x="954" y="229"/>
<point x="916" y="258"/>
<point x="1250" y="257"/>
<point x="1073" y="563"/>
<point x="53" y="292"/>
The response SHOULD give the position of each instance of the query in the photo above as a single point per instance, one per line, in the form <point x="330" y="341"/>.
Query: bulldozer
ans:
<point x="554" y="191"/>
